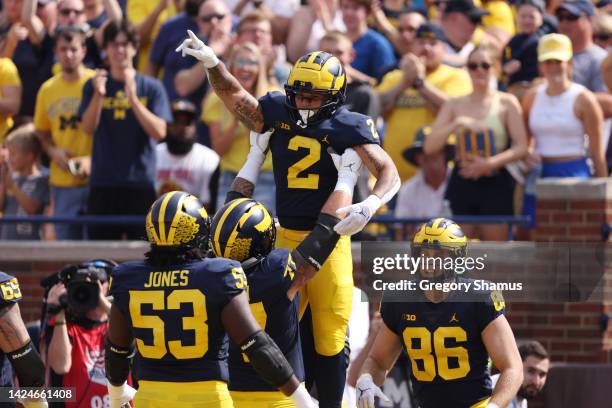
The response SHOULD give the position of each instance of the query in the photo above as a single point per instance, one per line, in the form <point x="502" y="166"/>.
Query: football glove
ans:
<point x="302" y="399"/>
<point x="196" y="48"/>
<point x="366" y="390"/>
<point x="357" y="215"/>
<point x="120" y="395"/>
<point x="348" y="165"/>
<point x="257" y="155"/>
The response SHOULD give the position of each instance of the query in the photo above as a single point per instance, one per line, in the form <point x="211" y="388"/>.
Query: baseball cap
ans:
<point x="555" y="47"/>
<point x="466" y="7"/>
<point x="417" y="147"/>
<point x="184" y="107"/>
<point x="45" y="2"/>
<point x="430" y="30"/>
<point x="578" y="7"/>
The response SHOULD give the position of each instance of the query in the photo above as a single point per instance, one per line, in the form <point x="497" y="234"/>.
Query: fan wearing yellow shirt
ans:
<point x="229" y="137"/>
<point x="55" y="120"/>
<point x="412" y="95"/>
<point x="10" y="95"/>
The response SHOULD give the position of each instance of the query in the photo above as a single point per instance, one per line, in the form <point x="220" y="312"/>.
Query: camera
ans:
<point x="81" y="282"/>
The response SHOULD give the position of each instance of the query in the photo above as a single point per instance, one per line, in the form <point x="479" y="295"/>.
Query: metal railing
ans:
<point x="388" y="220"/>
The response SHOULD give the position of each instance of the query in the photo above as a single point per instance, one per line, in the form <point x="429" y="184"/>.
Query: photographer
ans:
<point x="79" y="322"/>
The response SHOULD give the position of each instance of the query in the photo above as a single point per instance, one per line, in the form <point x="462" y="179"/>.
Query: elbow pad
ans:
<point x="28" y="366"/>
<point x="317" y="246"/>
<point x="117" y="362"/>
<point x="267" y="359"/>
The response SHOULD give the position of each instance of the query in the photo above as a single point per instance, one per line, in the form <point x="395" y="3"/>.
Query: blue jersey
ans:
<point x="175" y="316"/>
<point x="304" y="172"/>
<point x="10" y="293"/>
<point x="443" y="340"/>
<point x="268" y="285"/>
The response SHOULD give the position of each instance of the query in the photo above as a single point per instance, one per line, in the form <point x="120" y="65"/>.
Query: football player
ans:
<point x="311" y="194"/>
<point x="448" y="341"/>
<point x="244" y="230"/>
<point x="16" y="345"/>
<point x="179" y="308"/>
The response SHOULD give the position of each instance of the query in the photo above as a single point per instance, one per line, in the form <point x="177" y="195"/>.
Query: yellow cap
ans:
<point x="555" y="47"/>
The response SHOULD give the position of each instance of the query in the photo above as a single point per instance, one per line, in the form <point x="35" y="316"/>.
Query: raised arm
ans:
<point x="36" y="29"/>
<point x="237" y="99"/>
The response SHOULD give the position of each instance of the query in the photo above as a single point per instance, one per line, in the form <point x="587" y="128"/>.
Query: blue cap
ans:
<point x="430" y="30"/>
<point x="577" y="8"/>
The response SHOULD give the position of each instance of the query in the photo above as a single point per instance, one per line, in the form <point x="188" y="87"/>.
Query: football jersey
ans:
<point x="443" y="341"/>
<point x="175" y="316"/>
<point x="10" y="293"/>
<point x="304" y="172"/>
<point x="276" y="314"/>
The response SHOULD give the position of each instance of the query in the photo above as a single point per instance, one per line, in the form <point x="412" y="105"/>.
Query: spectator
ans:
<point x="373" y="52"/>
<point x="316" y="18"/>
<point x="428" y="184"/>
<point x="536" y="363"/>
<point x="602" y="31"/>
<point x="214" y="27"/>
<point x="126" y="113"/>
<point x="11" y="28"/>
<point x="10" y="95"/>
<point x="404" y="36"/>
<point x="24" y="188"/>
<point x="183" y="164"/>
<point x="560" y="113"/>
<point x="148" y="16"/>
<point x="256" y="27"/>
<point x="163" y="57"/>
<point x="60" y="131"/>
<point x="99" y="12"/>
<point x="411" y="95"/>
<point x="520" y="56"/>
<point x="229" y="137"/>
<point x="459" y="21"/>
<point x="76" y="346"/>
<point x="279" y="12"/>
<point x="360" y="96"/>
<point x="576" y="21"/>
<point x="490" y="134"/>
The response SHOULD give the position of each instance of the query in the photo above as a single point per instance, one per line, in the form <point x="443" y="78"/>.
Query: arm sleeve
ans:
<point x="387" y="313"/>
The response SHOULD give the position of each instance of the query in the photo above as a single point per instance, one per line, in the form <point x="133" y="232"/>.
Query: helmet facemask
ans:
<point x="308" y="117"/>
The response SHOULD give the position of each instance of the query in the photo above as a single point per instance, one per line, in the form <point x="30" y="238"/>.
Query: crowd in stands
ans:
<point x="474" y="100"/>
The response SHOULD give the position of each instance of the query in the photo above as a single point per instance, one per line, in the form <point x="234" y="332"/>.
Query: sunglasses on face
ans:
<point x="68" y="11"/>
<point x="567" y="17"/>
<point x="473" y="66"/>
<point x="242" y="62"/>
<point x="207" y="18"/>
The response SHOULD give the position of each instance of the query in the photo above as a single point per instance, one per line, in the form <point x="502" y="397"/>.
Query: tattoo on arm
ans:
<point x="381" y="166"/>
<point x="244" y="187"/>
<point x="238" y="100"/>
<point x="13" y="333"/>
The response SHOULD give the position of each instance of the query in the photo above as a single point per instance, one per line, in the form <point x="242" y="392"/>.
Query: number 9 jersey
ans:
<point x="175" y="316"/>
<point x="443" y="341"/>
<point x="304" y="172"/>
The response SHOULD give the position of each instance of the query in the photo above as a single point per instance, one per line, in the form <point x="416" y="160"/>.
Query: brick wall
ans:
<point x="570" y="210"/>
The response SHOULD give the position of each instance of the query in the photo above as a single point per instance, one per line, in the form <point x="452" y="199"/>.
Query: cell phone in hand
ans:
<point x="75" y="167"/>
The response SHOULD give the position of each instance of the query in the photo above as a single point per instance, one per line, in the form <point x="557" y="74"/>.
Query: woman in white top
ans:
<point x="490" y="133"/>
<point x="560" y="113"/>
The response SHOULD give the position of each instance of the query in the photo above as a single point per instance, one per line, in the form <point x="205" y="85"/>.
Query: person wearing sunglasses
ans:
<point x="561" y="115"/>
<point x="229" y="137"/>
<point x="490" y="133"/>
<point x="576" y="21"/>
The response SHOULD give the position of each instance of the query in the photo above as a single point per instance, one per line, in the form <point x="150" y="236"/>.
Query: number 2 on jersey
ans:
<point x="309" y="181"/>
<point x="442" y="353"/>
<point x="160" y="347"/>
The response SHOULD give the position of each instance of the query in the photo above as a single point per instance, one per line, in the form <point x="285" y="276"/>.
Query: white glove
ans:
<point x="348" y="166"/>
<point x="301" y="398"/>
<point x="120" y="395"/>
<point x="257" y="155"/>
<point x="196" y="48"/>
<point x="357" y="215"/>
<point x="366" y="390"/>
